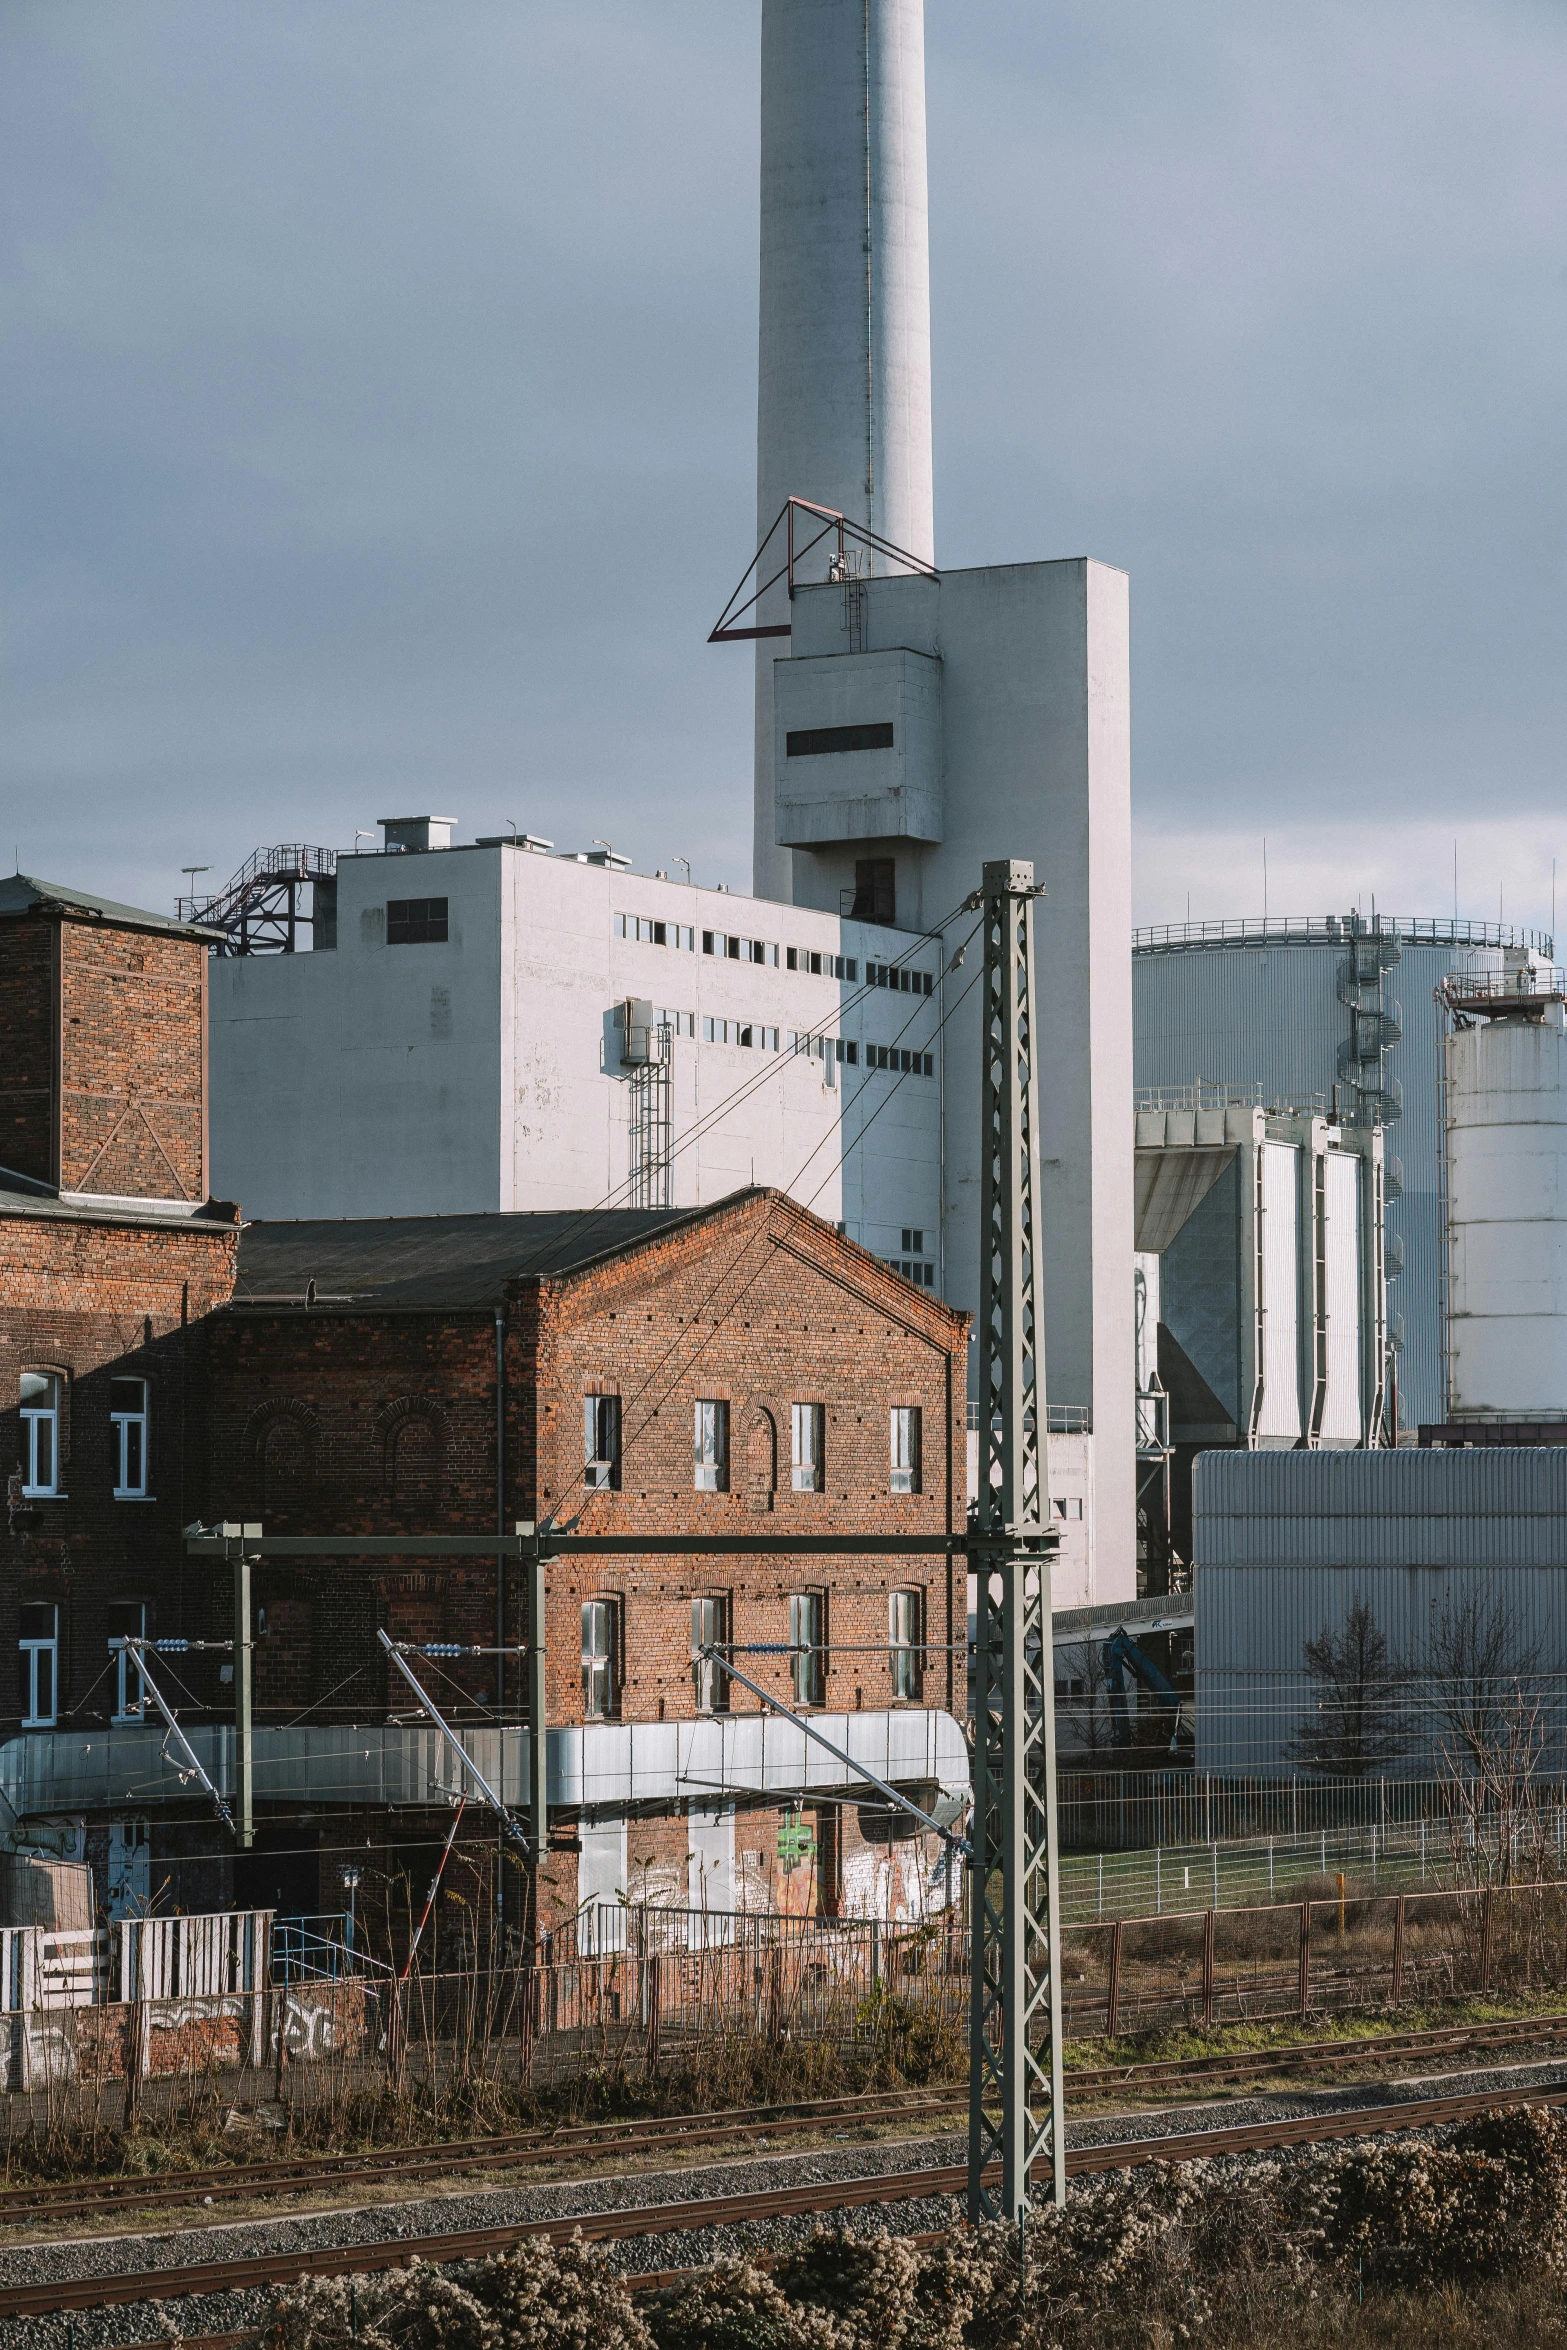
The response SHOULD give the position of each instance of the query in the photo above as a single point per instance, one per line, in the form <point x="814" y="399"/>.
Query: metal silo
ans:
<point x="1505" y="1064"/>
<point x="1334" y="1013"/>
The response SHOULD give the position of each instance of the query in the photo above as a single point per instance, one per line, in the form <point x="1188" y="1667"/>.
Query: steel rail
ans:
<point x="232" y="2182"/>
<point x="50" y="2296"/>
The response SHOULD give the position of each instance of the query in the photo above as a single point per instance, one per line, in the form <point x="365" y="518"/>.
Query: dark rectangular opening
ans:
<point x="875" y="890"/>
<point x="811" y="741"/>
<point x="415" y="922"/>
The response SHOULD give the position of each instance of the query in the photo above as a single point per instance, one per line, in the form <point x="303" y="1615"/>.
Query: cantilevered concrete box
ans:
<point x="858" y="748"/>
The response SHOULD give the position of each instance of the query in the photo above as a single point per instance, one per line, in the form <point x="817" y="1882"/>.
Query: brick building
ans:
<point x="740" y="1368"/>
<point x="111" y="1259"/>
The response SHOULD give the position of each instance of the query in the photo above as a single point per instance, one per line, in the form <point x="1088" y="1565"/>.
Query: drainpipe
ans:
<point x="500" y="1603"/>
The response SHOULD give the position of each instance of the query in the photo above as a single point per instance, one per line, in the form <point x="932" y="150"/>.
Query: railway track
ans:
<point x="57" y="2296"/>
<point x="663" y="2134"/>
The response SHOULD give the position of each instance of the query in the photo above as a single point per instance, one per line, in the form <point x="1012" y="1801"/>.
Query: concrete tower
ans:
<point x="843" y="408"/>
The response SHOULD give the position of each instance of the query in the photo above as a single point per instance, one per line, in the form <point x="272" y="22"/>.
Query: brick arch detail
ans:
<point x="425" y="1411"/>
<point x="278" y="1412"/>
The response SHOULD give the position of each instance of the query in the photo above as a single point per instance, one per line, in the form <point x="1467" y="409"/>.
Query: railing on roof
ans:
<point x="1541" y="985"/>
<point x="1061" y="1419"/>
<point x="1263" y="930"/>
<point x="1201" y="1095"/>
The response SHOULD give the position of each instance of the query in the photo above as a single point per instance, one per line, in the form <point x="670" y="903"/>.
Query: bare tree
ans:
<point x="1357" y="1725"/>
<point x="1492" y="1727"/>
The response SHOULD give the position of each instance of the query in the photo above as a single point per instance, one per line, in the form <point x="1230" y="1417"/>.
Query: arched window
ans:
<point x="414" y="1458"/>
<point x="761" y="1461"/>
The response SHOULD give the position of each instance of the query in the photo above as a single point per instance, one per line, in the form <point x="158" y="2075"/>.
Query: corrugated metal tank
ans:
<point x="1287" y="1543"/>
<point x="1280" y="1008"/>
<point x="1507" y="1216"/>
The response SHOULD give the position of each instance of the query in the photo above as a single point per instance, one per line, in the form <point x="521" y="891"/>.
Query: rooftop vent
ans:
<point x="416" y="832"/>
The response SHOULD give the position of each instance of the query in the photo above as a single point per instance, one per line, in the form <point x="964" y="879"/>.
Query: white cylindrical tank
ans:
<point x="843" y="388"/>
<point x="1507" y="1212"/>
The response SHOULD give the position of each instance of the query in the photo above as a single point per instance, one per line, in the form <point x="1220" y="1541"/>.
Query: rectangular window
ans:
<point x="128" y="1419"/>
<point x="600" y="1661"/>
<point x="905" y="1640"/>
<point x="905" y="1448"/>
<point x="712" y="1447"/>
<point x="40" y="1432"/>
<point x="415" y="922"/>
<point x="127" y="1621"/>
<point x="875" y="890"/>
<point x="815" y="742"/>
<point x="709" y="1629"/>
<point x="767" y="1038"/>
<point x="601" y="1440"/>
<point x="807" y="1645"/>
<point x="40" y="1647"/>
<point x="1067" y="1505"/>
<point x="806" y="1446"/>
<point x="913" y="1240"/>
<point x="684" y="936"/>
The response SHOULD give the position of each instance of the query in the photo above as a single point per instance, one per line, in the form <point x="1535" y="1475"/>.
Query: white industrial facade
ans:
<point x="1288" y="1544"/>
<point x="484" y="1070"/>
<point x="1505" y="1065"/>
<point x="1279" y="1008"/>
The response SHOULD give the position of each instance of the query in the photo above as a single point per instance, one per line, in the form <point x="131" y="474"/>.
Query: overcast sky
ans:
<point x="379" y="396"/>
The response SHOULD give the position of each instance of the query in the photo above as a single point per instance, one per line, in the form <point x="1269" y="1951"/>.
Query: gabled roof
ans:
<point x="381" y="1261"/>
<point x="21" y="893"/>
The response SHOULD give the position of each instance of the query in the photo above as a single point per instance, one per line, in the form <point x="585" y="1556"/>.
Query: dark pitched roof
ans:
<point x="24" y="1195"/>
<point x="20" y="893"/>
<point x="440" y="1260"/>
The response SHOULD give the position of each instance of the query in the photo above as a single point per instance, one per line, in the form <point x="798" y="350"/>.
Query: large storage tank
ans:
<point x="1335" y="1013"/>
<point x="1505" y="1062"/>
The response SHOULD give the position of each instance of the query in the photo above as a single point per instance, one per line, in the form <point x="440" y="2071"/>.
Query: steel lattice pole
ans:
<point x="1015" y="2103"/>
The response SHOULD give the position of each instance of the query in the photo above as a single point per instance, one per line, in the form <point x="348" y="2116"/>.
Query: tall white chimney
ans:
<point x="843" y="408"/>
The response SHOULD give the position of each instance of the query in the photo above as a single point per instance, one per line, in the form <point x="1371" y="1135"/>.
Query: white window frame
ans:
<point x="806" y="1429"/>
<point x="905" y="1440"/>
<point x="905" y="1641"/>
<point x="126" y="1663"/>
<point x="37" y="1416"/>
<point x="600" y="1659"/>
<point x="808" y="1646"/>
<point x="709" y="1629"/>
<point x="132" y="1430"/>
<point x="601" y="1441"/>
<point x="32" y="1649"/>
<point x="710" y="1445"/>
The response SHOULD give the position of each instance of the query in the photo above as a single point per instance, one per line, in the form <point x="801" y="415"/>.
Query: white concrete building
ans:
<point x="461" y="1049"/>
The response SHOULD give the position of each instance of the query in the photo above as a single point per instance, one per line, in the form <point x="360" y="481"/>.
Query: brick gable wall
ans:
<point x="27" y="1024"/>
<point x="132" y="1063"/>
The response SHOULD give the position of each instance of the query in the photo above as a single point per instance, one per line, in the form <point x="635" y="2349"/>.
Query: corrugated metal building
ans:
<point x="1288" y="1543"/>
<point x="1335" y="1012"/>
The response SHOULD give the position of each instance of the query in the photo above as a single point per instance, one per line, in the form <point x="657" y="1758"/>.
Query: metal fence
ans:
<point x="1126" y="1811"/>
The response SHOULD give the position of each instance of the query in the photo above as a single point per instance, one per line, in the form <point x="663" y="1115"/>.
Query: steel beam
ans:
<point x="1015" y="2011"/>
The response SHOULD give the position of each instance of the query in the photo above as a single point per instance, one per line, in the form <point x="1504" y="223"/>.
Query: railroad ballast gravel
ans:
<point x="389" y="2223"/>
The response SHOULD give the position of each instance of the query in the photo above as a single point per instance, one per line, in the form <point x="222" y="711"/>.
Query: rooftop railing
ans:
<point x="1264" y="929"/>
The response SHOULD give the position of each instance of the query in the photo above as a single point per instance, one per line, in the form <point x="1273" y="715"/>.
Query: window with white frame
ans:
<point x="40" y="1655"/>
<point x="806" y="1446"/>
<point x="40" y="1432"/>
<point x="711" y="1445"/>
<point x="600" y="1658"/>
<point x="905" y="1446"/>
<point x="127" y="1621"/>
<point x="905" y="1640"/>
<point x="128" y="1420"/>
<point x="601" y="1440"/>
<point x="807" y="1645"/>
<point x="709" y="1630"/>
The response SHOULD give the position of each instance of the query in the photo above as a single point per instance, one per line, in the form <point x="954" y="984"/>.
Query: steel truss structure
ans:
<point x="1015" y="2003"/>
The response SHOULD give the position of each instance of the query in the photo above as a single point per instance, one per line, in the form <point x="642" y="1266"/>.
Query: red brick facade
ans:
<point x="328" y="1419"/>
<point x="102" y="1081"/>
<point x="91" y="1299"/>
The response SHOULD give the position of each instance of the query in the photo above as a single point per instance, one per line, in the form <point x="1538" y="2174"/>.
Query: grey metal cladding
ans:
<point x="1493" y="1506"/>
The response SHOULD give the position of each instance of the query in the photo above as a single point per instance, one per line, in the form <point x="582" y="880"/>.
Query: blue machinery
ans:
<point x="1122" y="1656"/>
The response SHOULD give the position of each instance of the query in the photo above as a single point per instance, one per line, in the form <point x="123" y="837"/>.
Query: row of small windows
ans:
<point x="39" y="1655"/>
<point x="844" y="1050"/>
<point x="919" y="1270"/>
<point x="657" y="934"/>
<point x="892" y="1056"/>
<point x="823" y="966"/>
<point x="899" y="977"/>
<point x="749" y="1033"/>
<point x="602" y="1432"/>
<point x="603" y="1650"/>
<point x="42" y="1407"/>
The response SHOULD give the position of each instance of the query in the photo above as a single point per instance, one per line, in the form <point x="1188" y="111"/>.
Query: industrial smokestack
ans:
<point x="843" y="407"/>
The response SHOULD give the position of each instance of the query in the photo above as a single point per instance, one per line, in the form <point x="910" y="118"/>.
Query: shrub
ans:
<point x="735" y="2306"/>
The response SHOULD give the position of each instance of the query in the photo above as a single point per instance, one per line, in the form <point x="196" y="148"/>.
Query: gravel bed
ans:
<point x="683" y="2248"/>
